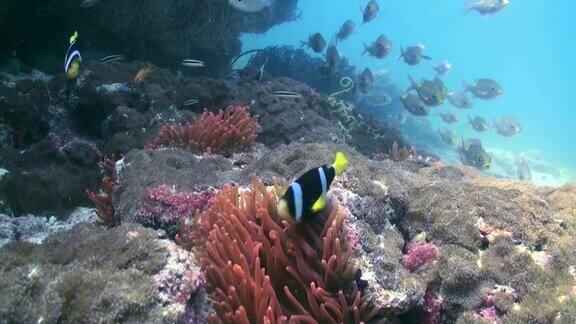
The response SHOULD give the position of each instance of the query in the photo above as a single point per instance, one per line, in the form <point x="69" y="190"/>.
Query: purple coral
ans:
<point x="416" y="254"/>
<point x="163" y="206"/>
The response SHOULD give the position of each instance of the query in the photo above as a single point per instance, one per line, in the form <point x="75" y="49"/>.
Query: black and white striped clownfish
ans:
<point x="307" y="195"/>
<point x="73" y="58"/>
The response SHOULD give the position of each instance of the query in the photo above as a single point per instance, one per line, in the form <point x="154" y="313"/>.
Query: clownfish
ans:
<point x="307" y="195"/>
<point x="73" y="58"/>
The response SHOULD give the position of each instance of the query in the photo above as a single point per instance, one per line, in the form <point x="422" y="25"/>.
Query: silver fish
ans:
<point x="484" y="89"/>
<point x="432" y="93"/>
<point x="250" y="5"/>
<point x="523" y="170"/>
<point x="442" y="68"/>
<point x="413" y="55"/>
<point x="316" y="42"/>
<point x="447" y="136"/>
<point x="346" y="30"/>
<point x="192" y="63"/>
<point x="508" y="126"/>
<point x="370" y="11"/>
<point x="379" y="99"/>
<point x="365" y="81"/>
<point x="479" y="124"/>
<point x="380" y="48"/>
<point x="449" y="117"/>
<point x="414" y="105"/>
<point x="473" y="153"/>
<point x="488" y="7"/>
<point x="402" y="118"/>
<point x="459" y="100"/>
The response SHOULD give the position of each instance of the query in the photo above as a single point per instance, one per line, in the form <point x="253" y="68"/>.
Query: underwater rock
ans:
<point x="35" y="229"/>
<point x="50" y="176"/>
<point x="23" y="114"/>
<point x="89" y="272"/>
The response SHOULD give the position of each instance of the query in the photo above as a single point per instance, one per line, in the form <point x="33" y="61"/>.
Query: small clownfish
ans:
<point x="73" y="58"/>
<point x="307" y="195"/>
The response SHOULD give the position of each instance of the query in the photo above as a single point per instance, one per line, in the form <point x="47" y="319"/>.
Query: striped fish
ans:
<point x="307" y="195"/>
<point x="193" y="63"/>
<point x="112" y="58"/>
<point x="287" y="94"/>
<point x="191" y="102"/>
<point x="73" y="58"/>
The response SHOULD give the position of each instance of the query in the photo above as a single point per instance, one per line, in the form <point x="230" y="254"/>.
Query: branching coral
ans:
<point x="229" y="130"/>
<point x="262" y="269"/>
<point x="163" y="206"/>
<point x="104" y="202"/>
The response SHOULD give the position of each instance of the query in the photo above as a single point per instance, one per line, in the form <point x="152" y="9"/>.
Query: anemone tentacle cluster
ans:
<point x="229" y="130"/>
<point x="263" y="269"/>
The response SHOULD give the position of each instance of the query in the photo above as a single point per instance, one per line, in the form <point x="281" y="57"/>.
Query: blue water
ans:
<point x="529" y="48"/>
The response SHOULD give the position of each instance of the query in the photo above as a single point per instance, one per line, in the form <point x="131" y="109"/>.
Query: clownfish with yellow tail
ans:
<point x="307" y="195"/>
<point x="73" y="58"/>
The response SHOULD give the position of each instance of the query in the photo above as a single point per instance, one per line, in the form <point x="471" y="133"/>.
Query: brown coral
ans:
<point x="231" y="129"/>
<point x="104" y="202"/>
<point x="262" y="269"/>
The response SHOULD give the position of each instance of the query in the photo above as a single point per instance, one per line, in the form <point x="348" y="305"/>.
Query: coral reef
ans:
<point x="487" y="233"/>
<point x="104" y="112"/>
<point x="233" y="129"/>
<point x="263" y="269"/>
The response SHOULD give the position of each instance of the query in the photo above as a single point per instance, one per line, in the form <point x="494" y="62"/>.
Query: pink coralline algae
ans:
<point x="163" y="206"/>
<point x="432" y="308"/>
<point x="180" y="279"/>
<point x="416" y="254"/>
